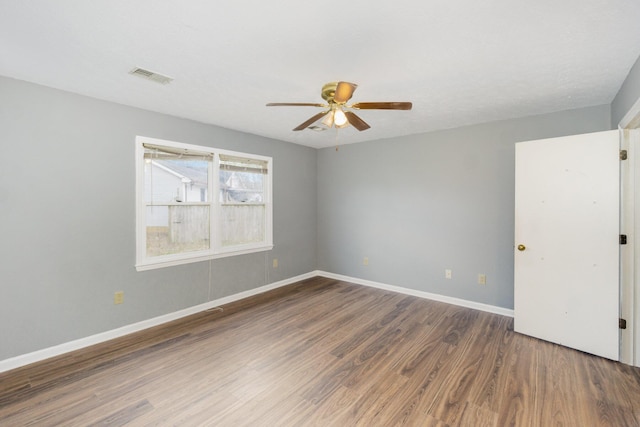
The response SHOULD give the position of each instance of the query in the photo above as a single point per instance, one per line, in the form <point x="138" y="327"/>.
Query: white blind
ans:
<point x="156" y="152"/>
<point x="240" y="164"/>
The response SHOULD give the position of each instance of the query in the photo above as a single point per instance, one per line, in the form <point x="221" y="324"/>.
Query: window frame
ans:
<point x="216" y="249"/>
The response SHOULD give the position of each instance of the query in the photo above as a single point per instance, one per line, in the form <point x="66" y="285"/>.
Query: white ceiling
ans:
<point x="459" y="61"/>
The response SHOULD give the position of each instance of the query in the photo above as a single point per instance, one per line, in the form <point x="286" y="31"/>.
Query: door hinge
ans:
<point x="623" y="154"/>
<point x="623" y="239"/>
<point x="622" y="323"/>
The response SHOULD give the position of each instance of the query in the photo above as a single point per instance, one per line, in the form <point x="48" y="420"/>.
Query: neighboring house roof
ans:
<point x="194" y="170"/>
<point x="197" y="172"/>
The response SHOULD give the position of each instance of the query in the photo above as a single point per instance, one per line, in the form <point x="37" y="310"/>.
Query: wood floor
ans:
<point x="325" y="353"/>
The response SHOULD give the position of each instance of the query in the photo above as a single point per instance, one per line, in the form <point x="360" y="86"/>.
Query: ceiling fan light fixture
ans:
<point x="339" y="118"/>
<point x="328" y="120"/>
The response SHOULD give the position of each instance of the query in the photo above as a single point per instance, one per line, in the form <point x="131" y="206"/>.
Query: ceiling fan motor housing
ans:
<point x="329" y="91"/>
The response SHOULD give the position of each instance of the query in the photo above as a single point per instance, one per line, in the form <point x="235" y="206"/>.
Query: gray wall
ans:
<point x="628" y="94"/>
<point x="67" y="222"/>
<point x="420" y="204"/>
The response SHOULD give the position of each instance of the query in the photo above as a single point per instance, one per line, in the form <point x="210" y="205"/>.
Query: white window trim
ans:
<point x="216" y="250"/>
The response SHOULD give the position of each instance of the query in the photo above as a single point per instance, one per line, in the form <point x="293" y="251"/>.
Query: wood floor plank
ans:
<point x="330" y="353"/>
<point x="477" y="416"/>
<point x="125" y="415"/>
<point x="518" y="386"/>
<point x="372" y="406"/>
<point x="497" y="338"/>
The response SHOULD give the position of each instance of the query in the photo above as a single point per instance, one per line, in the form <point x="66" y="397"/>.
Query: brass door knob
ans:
<point x="521" y="248"/>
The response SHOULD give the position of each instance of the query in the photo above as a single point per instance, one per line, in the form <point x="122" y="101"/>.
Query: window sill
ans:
<point x="173" y="260"/>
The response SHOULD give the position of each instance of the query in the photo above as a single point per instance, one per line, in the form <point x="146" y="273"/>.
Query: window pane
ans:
<point x="242" y="180"/>
<point x="183" y="180"/>
<point x="177" y="229"/>
<point x="242" y="224"/>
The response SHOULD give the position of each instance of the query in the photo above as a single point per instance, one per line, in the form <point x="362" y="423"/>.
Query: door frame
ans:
<point x="629" y="128"/>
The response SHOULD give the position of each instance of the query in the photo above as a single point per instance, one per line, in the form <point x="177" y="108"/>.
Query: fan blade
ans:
<point x="294" y="104"/>
<point x="382" y="106"/>
<point x="356" y="121"/>
<point x="344" y="92"/>
<point x="311" y="121"/>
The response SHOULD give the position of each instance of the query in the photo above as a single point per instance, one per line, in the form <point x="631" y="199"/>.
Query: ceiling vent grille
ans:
<point x="150" y="75"/>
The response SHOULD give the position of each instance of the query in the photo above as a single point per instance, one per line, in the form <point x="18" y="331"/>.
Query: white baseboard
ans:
<point x="39" y="355"/>
<point x="421" y="294"/>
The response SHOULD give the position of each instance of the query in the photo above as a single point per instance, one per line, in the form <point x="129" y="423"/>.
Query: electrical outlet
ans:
<point x="447" y="274"/>
<point x="482" y="279"/>
<point x="118" y="297"/>
<point x="365" y="261"/>
<point x="275" y="263"/>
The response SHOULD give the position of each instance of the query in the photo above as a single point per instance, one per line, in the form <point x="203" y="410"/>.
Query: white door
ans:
<point x="567" y="241"/>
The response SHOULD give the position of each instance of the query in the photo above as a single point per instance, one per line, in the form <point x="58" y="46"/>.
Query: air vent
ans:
<point x="150" y="75"/>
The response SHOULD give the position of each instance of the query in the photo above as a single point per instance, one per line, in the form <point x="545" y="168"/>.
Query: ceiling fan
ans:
<point x="337" y="114"/>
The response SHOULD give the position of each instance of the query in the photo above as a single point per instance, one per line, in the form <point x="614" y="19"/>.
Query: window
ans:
<point x="196" y="203"/>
